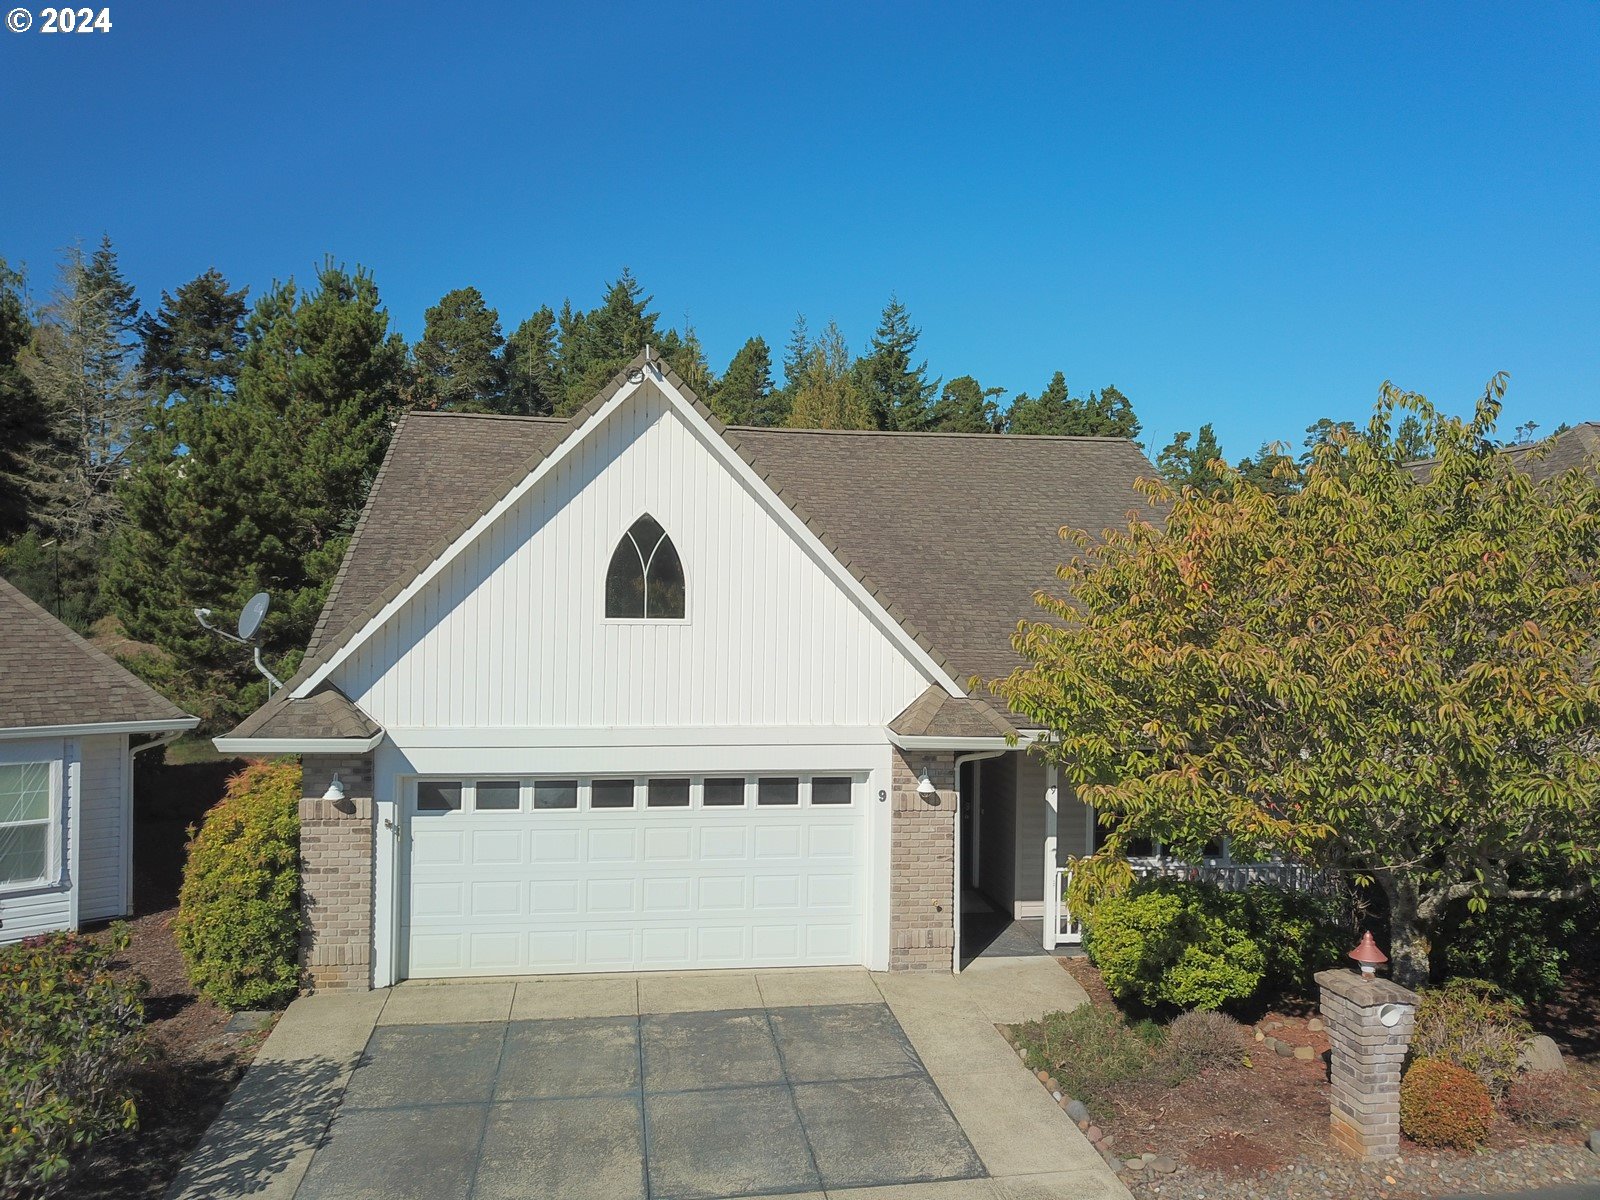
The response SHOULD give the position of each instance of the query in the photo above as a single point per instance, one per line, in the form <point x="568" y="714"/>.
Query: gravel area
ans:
<point x="1420" y="1175"/>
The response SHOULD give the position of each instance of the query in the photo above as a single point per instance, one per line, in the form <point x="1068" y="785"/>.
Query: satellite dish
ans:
<point x="251" y="615"/>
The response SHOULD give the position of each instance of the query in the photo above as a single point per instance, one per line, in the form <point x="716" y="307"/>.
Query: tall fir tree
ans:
<point x="829" y="393"/>
<point x="1270" y="469"/>
<point x="898" y="392"/>
<point x="266" y="489"/>
<point x="24" y="425"/>
<point x="190" y="349"/>
<point x="796" y="355"/>
<point x="685" y="355"/>
<point x="1106" y="413"/>
<point x="82" y="364"/>
<point x="456" y="363"/>
<point x="597" y="344"/>
<point x="1184" y="465"/>
<point x="745" y="396"/>
<point x="966" y="406"/>
<point x="533" y="366"/>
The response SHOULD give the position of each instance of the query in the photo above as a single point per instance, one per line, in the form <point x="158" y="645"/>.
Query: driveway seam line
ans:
<point x="644" y="1118"/>
<point x="488" y="1107"/>
<point x="794" y="1103"/>
<point x="338" y="1100"/>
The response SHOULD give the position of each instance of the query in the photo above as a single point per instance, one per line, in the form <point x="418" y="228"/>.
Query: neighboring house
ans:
<point x="636" y="691"/>
<point x="71" y="720"/>
<point x="1545" y="459"/>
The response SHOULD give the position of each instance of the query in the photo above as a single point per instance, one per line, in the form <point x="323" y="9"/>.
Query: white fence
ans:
<point x="1062" y="928"/>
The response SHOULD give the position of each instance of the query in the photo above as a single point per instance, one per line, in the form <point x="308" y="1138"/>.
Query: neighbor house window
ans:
<point x="645" y="578"/>
<point x="24" y="822"/>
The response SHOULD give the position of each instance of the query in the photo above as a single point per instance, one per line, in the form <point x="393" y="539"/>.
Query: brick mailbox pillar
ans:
<point x="1369" y="1025"/>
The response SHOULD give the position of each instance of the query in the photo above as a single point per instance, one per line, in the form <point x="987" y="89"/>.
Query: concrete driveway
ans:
<point x="656" y="1087"/>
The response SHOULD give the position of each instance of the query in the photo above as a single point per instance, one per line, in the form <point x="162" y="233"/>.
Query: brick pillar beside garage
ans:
<point x="336" y="846"/>
<point x="922" y="858"/>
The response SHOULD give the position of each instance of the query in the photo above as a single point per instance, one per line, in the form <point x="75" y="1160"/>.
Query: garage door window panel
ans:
<point x="832" y="789"/>
<point x="497" y="795"/>
<point x="667" y="793"/>
<point x="778" y="790"/>
<point x="439" y="796"/>
<point x="724" y="793"/>
<point x="611" y="793"/>
<point x="555" y="794"/>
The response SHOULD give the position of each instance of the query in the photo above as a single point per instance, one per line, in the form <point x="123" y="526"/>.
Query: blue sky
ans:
<point x="1248" y="214"/>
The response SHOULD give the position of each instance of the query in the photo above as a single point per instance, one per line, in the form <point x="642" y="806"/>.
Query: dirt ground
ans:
<point x="195" y="1063"/>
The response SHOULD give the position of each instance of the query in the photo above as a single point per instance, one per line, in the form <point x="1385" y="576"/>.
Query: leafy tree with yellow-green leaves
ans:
<point x="1389" y="672"/>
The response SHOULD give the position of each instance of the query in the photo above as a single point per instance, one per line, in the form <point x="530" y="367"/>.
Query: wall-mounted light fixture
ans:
<point x="925" y="787"/>
<point x="335" y="789"/>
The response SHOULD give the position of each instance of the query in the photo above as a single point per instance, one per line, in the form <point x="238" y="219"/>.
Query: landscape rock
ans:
<point x="1594" y="1140"/>
<point x="1283" y="1048"/>
<point x="1315" y="1025"/>
<point x="1304" y="1052"/>
<point x="1094" y="1133"/>
<point x="1077" y="1111"/>
<point x="1541" y="1053"/>
<point x="1163" y="1164"/>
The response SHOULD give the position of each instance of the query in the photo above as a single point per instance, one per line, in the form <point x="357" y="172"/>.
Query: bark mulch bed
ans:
<point x="1261" y="1132"/>
<point x="195" y="1062"/>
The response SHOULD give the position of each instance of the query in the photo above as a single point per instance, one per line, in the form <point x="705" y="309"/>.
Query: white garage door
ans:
<point x="507" y="876"/>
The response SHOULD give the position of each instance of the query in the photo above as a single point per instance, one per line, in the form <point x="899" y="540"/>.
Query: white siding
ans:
<point x="102" y="821"/>
<point x="48" y="908"/>
<point x="513" y="633"/>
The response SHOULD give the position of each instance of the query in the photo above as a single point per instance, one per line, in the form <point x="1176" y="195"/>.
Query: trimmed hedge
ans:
<point x="71" y="1031"/>
<point x="238" y="921"/>
<point x="1442" y="1104"/>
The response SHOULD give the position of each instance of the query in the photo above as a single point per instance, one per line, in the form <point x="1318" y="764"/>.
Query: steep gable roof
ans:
<point x="951" y="533"/>
<point x="51" y="678"/>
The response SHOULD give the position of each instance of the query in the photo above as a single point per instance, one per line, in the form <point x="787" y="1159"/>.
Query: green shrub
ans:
<point x="1165" y="943"/>
<point x="1442" y="1104"/>
<point x="70" y="1032"/>
<point x="238" y="921"/>
<point x="1089" y="1050"/>
<point x="1521" y="945"/>
<point x="1299" y="933"/>
<point x="1472" y="1024"/>
<point x="1201" y="1041"/>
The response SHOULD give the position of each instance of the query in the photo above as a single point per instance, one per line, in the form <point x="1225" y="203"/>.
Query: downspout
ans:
<point x="166" y="739"/>
<point x="955" y="900"/>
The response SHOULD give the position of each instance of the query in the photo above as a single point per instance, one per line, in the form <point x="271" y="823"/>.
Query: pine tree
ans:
<point x="266" y="490"/>
<point x="532" y="365"/>
<point x="746" y="395"/>
<point x="829" y="393"/>
<point x="796" y="355"/>
<point x="598" y="344"/>
<point x="899" y="394"/>
<point x="966" y="406"/>
<point x="23" y="423"/>
<point x="81" y="363"/>
<point x="457" y="360"/>
<point x="190" y="352"/>
<point x="1183" y="465"/>
<point x="1106" y="413"/>
<point x="685" y="355"/>
<point x="1270" y="469"/>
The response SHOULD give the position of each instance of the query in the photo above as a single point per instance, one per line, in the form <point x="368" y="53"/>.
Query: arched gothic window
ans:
<point x="645" y="578"/>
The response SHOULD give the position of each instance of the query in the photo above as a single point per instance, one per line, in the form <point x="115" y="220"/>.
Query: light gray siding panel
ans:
<point x="101" y="829"/>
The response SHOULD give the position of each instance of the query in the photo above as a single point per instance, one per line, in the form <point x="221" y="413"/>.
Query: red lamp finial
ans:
<point x="1367" y="955"/>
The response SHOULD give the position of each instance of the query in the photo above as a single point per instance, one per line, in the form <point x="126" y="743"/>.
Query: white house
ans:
<point x="71" y="720"/>
<point x="636" y="691"/>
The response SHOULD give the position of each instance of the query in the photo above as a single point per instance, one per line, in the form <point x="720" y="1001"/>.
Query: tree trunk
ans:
<point x="1408" y="942"/>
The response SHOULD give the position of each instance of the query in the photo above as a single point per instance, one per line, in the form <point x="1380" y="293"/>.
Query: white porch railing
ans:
<point x="1061" y="928"/>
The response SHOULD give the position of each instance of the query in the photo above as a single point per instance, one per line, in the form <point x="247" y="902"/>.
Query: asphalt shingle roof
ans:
<point x="1555" y="455"/>
<point x="49" y="676"/>
<point x="952" y="533"/>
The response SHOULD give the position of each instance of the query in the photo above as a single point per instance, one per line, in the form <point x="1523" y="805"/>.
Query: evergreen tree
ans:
<point x="81" y="363"/>
<point x="899" y="394"/>
<point x="457" y="361"/>
<point x="532" y="366"/>
<point x="190" y="349"/>
<point x="829" y="393"/>
<point x="23" y="423"/>
<point x="1106" y="413"/>
<point x="598" y="344"/>
<point x="1270" y="470"/>
<point x="265" y="490"/>
<point x="1183" y="465"/>
<point x="796" y="355"/>
<point x="966" y="406"/>
<point x="685" y="355"/>
<point x="746" y="395"/>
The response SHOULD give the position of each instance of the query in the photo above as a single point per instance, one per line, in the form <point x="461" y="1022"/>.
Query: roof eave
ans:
<point x="94" y="728"/>
<point x="906" y="741"/>
<point x="254" y="745"/>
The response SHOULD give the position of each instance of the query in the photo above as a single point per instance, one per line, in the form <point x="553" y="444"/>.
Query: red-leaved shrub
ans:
<point x="1442" y="1104"/>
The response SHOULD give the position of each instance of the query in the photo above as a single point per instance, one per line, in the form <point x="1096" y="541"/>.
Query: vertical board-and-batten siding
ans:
<point x="513" y="632"/>
<point x="102" y="825"/>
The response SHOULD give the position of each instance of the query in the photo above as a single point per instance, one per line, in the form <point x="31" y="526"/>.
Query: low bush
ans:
<point x="71" y="1032"/>
<point x="1300" y="933"/>
<point x="1547" y="1100"/>
<point x="1171" y="944"/>
<point x="1089" y="1050"/>
<point x="1472" y="1024"/>
<point x="1522" y="946"/>
<point x="1201" y="1041"/>
<point x="1442" y="1104"/>
<point x="238" y="921"/>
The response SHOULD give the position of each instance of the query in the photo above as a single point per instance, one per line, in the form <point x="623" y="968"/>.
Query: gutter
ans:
<point x="250" y="745"/>
<point x="174" y="725"/>
<point x="165" y="739"/>
<point x="999" y="742"/>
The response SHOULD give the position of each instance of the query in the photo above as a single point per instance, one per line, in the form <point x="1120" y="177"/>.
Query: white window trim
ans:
<point x="641" y="793"/>
<point x="54" y="865"/>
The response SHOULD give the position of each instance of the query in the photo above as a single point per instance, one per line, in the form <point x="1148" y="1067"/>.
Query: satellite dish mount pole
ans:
<point x="250" y="618"/>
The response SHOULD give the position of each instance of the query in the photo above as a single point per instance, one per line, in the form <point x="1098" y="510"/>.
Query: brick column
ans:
<point x="1367" y="1059"/>
<point x="336" y="846"/>
<point x="922" y="863"/>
